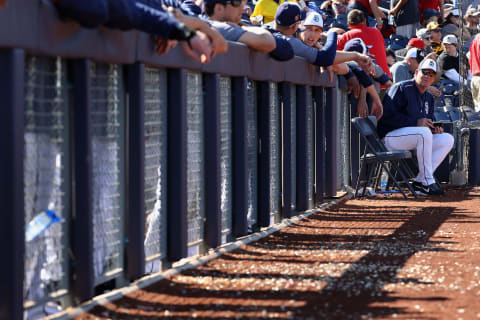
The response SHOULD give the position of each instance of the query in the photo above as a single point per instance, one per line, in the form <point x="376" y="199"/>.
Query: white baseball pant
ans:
<point x="431" y="148"/>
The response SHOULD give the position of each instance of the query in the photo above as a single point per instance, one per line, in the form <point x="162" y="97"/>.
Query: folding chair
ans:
<point x="376" y="157"/>
<point x="455" y="113"/>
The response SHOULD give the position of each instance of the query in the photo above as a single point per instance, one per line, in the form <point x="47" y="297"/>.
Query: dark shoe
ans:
<point x="432" y="189"/>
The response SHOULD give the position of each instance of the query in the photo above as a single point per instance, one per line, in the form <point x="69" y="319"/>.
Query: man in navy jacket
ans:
<point x="407" y="124"/>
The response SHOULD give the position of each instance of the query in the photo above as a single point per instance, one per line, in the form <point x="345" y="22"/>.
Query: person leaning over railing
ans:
<point x="370" y="80"/>
<point x="226" y="15"/>
<point x="287" y="20"/>
<point x="196" y="38"/>
<point x="310" y="34"/>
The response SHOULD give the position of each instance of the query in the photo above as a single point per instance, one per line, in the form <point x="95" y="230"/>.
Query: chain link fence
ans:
<point x="195" y="163"/>
<point x="155" y="167"/>
<point x="252" y="146"/>
<point x="226" y="200"/>
<point x="343" y="141"/>
<point x="275" y="155"/>
<point x="107" y="166"/>
<point x="46" y="178"/>
<point x="293" y="147"/>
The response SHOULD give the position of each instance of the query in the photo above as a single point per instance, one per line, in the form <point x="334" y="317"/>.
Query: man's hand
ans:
<point x="377" y="109"/>
<point x="425" y="122"/>
<point x="379" y="23"/>
<point x="353" y="86"/>
<point x="164" y="45"/>
<point x="199" y="49"/>
<point x="331" y="73"/>
<point x="362" y="108"/>
<point x="363" y="59"/>
<point x="434" y="91"/>
<point x="388" y="84"/>
<point x="437" y="130"/>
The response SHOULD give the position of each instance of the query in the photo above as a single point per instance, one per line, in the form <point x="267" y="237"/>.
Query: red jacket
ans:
<point x="371" y="37"/>
<point x="475" y="56"/>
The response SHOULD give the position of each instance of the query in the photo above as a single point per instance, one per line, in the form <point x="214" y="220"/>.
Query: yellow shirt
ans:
<point x="267" y="8"/>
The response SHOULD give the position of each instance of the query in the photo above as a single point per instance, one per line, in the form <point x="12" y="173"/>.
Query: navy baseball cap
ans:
<point x="428" y="13"/>
<point x="357" y="45"/>
<point x="289" y="13"/>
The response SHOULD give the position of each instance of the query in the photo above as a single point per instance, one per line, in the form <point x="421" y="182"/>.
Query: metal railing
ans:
<point x="147" y="159"/>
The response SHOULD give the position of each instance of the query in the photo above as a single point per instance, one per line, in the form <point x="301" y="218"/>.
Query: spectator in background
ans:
<point x="434" y="5"/>
<point x="406" y="16"/>
<point x="436" y="33"/>
<point x="3" y="3"/>
<point x="449" y="61"/>
<point x="405" y="70"/>
<point x="430" y="15"/>
<point x="368" y="82"/>
<point x="339" y="7"/>
<point x="426" y="37"/>
<point x="407" y="124"/>
<point x="451" y="25"/>
<point x="412" y="43"/>
<point x="265" y="11"/>
<point x="370" y="36"/>
<point x="225" y="15"/>
<point x="369" y="8"/>
<point x="475" y="70"/>
<point x="472" y="20"/>
<point x="391" y="58"/>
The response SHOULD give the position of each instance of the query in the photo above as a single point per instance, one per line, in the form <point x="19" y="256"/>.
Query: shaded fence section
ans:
<point x="146" y="160"/>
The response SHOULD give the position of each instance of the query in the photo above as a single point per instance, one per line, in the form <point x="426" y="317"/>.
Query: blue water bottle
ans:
<point x="40" y="223"/>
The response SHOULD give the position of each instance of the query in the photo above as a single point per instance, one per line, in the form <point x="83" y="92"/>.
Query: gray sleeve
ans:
<point x="229" y="32"/>
<point x="302" y="50"/>
<point x="378" y="71"/>
<point x="400" y="74"/>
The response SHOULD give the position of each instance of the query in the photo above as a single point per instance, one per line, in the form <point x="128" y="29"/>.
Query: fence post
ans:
<point x="136" y="172"/>
<point x="285" y="92"/>
<point x="240" y="156"/>
<point x="263" y="154"/>
<point x="83" y="215"/>
<point x="443" y="170"/>
<point x="318" y="96"/>
<point x="177" y="165"/>
<point x="474" y="157"/>
<point x="12" y="236"/>
<point x="331" y="142"/>
<point x="213" y="214"/>
<point x="302" y="145"/>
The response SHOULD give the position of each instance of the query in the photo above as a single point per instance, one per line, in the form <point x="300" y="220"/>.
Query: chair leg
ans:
<point x="391" y="176"/>
<point x="369" y="177"/>
<point x="357" y="184"/>
<point x="405" y="179"/>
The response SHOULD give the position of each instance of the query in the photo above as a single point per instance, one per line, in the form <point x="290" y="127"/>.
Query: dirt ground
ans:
<point x="381" y="258"/>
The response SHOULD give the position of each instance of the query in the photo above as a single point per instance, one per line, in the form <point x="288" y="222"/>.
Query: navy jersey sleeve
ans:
<point x="283" y="50"/>
<point x="149" y="16"/>
<point x="326" y="56"/>
<point x="363" y="78"/>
